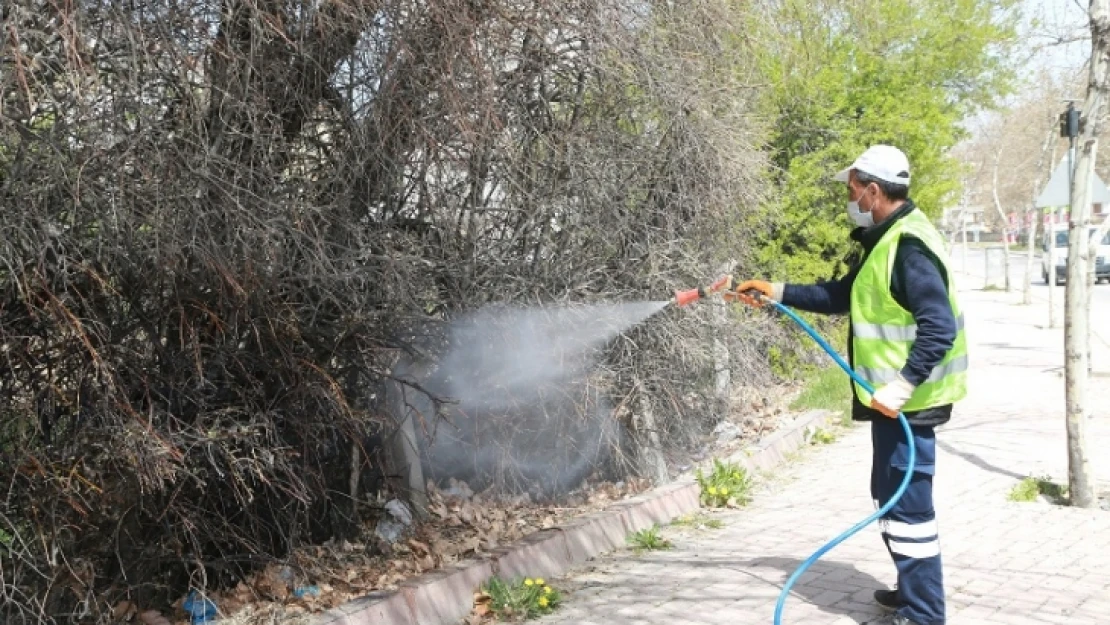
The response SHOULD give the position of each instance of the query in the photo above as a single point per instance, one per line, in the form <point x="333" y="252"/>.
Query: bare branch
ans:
<point x="224" y="220"/>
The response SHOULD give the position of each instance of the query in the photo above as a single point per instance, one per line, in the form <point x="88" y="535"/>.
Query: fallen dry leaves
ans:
<point x="456" y="527"/>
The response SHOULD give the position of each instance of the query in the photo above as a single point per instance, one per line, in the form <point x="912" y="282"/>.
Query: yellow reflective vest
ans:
<point x="883" y="332"/>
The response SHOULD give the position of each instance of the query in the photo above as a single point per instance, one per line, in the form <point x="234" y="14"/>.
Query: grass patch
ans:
<point x="1031" y="488"/>
<point x="516" y="601"/>
<point x="698" y="520"/>
<point x="649" y="540"/>
<point x="727" y="485"/>
<point x="826" y="389"/>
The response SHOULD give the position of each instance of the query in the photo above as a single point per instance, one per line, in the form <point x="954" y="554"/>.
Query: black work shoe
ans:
<point x="888" y="599"/>
<point x="901" y="620"/>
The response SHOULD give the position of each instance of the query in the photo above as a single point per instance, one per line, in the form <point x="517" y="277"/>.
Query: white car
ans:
<point x="1059" y="234"/>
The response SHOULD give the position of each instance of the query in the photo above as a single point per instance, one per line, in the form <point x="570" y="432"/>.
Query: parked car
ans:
<point x="1059" y="234"/>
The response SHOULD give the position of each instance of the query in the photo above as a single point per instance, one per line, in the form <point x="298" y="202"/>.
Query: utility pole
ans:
<point x="1056" y="216"/>
<point x="1057" y="213"/>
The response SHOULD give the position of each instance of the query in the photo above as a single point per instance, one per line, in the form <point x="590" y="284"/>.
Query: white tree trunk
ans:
<point x="1034" y="218"/>
<point x="963" y="228"/>
<point x="1030" y="252"/>
<point x="1051" y="269"/>
<point x="1005" y="223"/>
<point x="722" y="383"/>
<point x="653" y="462"/>
<point x="1077" y="312"/>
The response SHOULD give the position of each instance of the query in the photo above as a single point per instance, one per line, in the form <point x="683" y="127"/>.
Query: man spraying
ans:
<point x="906" y="339"/>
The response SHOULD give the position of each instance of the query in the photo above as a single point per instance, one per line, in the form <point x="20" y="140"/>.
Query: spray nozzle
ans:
<point x="689" y="296"/>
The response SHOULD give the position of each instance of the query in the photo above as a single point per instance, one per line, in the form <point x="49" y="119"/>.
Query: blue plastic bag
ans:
<point x="201" y="610"/>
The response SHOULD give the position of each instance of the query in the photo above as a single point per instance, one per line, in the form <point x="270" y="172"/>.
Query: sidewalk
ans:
<point x="1012" y="563"/>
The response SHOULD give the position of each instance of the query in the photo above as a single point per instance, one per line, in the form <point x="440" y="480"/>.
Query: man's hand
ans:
<point x="890" y="398"/>
<point x="766" y="289"/>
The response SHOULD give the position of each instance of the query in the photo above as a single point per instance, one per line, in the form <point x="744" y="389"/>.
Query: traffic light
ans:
<point x="1071" y="122"/>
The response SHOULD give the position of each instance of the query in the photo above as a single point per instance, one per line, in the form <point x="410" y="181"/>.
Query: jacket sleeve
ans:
<point x="828" y="298"/>
<point x="921" y="289"/>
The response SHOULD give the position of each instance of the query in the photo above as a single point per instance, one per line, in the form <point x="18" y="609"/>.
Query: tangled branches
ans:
<point x="220" y="217"/>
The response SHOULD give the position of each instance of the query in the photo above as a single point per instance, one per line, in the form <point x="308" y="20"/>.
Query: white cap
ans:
<point x="884" y="162"/>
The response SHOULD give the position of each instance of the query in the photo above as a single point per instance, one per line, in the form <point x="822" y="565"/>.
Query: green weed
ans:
<point x="698" y="520"/>
<point x="1032" y="487"/>
<point x="821" y="436"/>
<point x="516" y="601"/>
<point x="826" y="389"/>
<point x="728" y="484"/>
<point x="649" y="540"/>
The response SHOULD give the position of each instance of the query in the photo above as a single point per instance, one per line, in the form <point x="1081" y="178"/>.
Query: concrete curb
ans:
<point x="772" y="450"/>
<point x="445" y="596"/>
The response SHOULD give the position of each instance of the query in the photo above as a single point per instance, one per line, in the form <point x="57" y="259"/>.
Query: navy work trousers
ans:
<point x="910" y="527"/>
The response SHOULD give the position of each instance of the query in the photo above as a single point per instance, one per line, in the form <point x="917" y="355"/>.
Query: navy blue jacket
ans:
<point x="919" y="284"/>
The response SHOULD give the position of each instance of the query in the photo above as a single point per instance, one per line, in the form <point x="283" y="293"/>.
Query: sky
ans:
<point x="1046" y="20"/>
<point x="1044" y="23"/>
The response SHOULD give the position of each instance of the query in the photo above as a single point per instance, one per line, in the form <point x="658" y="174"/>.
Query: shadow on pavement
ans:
<point x="977" y="461"/>
<point x="714" y="599"/>
<point x="1020" y="348"/>
<point x="859" y="608"/>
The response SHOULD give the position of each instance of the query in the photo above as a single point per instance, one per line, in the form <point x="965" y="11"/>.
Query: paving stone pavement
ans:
<point x="1005" y="562"/>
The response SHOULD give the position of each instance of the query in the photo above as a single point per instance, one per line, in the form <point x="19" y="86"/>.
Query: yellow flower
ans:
<point x="539" y="581"/>
<point x="528" y="582"/>
<point x="724" y="492"/>
<point x="712" y="490"/>
<point x="543" y="602"/>
<point x="547" y="590"/>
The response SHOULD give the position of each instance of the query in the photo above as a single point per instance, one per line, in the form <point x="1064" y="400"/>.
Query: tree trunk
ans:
<point x="722" y="367"/>
<point x="1051" y="279"/>
<point x="963" y="231"/>
<point x="403" y="451"/>
<point x="356" y="473"/>
<point x="1077" y="320"/>
<point x="1005" y="224"/>
<point x="653" y="462"/>
<point x="1034" y="218"/>
<point x="1030" y="252"/>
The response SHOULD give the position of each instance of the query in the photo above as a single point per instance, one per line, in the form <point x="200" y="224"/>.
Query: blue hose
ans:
<point x="878" y="513"/>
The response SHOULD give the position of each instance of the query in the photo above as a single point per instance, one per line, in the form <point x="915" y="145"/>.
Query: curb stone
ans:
<point x="445" y="596"/>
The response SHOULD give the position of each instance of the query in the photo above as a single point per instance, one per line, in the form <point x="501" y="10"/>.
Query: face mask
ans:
<point x="862" y="219"/>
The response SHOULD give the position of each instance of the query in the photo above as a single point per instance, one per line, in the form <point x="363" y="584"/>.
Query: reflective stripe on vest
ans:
<point x="886" y="376"/>
<point x="887" y="332"/>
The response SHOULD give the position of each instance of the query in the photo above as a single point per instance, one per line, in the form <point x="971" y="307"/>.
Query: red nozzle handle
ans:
<point x="684" y="298"/>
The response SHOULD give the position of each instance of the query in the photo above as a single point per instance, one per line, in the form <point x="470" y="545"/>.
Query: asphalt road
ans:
<point x="976" y="270"/>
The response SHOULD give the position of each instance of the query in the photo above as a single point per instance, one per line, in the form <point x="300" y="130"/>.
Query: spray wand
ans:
<point x="687" y="297"/>
<point x="725" y="284"/>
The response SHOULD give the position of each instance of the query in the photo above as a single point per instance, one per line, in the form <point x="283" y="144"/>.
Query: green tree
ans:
<point x="844" y="74"/>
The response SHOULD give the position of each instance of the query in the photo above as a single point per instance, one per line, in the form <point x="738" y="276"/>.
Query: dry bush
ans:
<point x="220" y="220"/>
